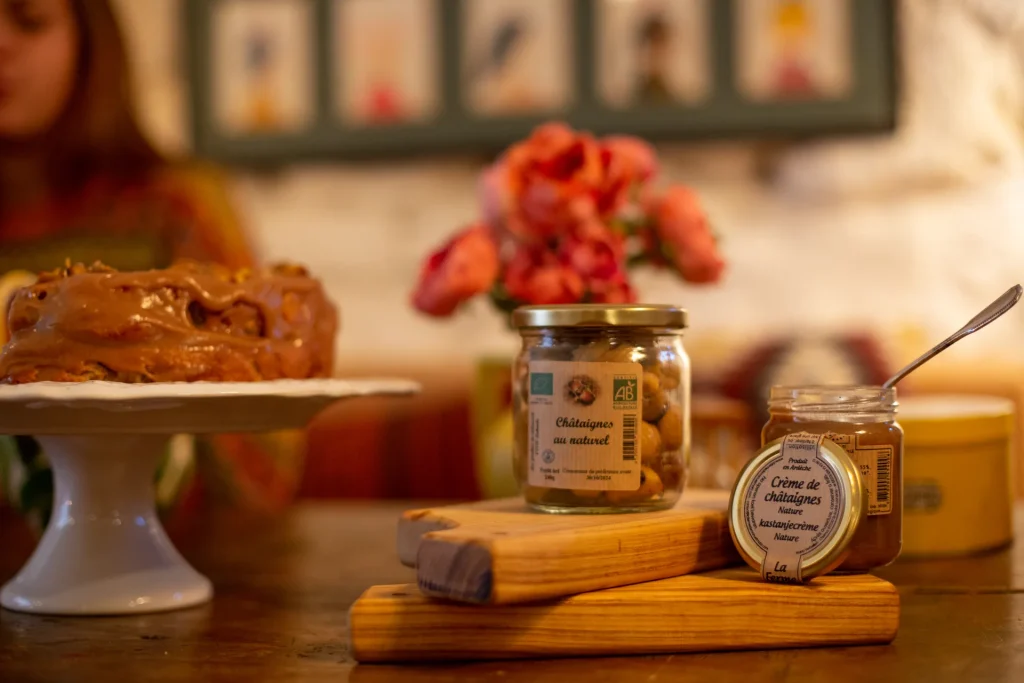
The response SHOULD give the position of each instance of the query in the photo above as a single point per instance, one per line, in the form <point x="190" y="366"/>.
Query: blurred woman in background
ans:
<point x="79" y="181"/>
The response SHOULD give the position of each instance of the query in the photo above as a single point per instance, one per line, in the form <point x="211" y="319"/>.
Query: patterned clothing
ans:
<point x="180" y="212"/>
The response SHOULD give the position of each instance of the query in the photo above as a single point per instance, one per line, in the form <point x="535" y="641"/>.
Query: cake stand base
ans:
<point x="104" y="551"/>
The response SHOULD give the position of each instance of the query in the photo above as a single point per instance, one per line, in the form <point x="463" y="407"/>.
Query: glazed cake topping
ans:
<point x="190" y="322"/>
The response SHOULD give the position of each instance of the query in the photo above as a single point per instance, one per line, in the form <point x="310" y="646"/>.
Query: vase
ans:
<point x="492" y="427"/>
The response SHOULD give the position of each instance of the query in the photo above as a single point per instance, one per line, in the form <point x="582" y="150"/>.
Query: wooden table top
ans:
<point x="283" y="589"/>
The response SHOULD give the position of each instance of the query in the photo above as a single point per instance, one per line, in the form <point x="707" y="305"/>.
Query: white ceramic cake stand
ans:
<point x="105" y="551"/>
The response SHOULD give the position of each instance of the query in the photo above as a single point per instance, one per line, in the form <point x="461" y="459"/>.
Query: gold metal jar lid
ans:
<point x="795" y="508"/>
<point x="600" y="315"/>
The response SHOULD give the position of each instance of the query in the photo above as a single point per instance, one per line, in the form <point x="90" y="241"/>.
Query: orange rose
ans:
<point x="681" y="226"/>
<point x="629" y="163"/>
<point x="616" y="290"/>
<point x="536" y="276"/>
<point x="550" y="182"/>
<point x="593" y="251"/>
<point x="464" y="267"/>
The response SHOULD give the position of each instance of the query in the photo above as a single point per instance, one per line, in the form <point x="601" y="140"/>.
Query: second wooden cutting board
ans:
<point x="728" y="609"/>
<point x="499" y="552"/>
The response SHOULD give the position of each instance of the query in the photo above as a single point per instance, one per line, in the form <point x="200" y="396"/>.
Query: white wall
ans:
<point x="933" y="259"/>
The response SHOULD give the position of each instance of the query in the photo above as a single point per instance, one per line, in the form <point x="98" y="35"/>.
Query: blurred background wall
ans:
<point x="846" y="255"/>
<point x="895" y="238"/>
<point x="919" y="228"/>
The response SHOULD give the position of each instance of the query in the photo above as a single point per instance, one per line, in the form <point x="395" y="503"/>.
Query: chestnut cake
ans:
<point x="188" y="323"/>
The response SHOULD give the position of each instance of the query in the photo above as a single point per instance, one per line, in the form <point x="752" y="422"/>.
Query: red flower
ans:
<point x="616" y="290"/>
<point x="535" y="276"/>
<point x="681" y="225"/>
<point x="593" y="251"/>
<point x="597" y="255"/>
<point x="563" y="215"/>
<point x="551" y="182"/>
<point x="629" y="163"/>
<point x="464" y="267"/>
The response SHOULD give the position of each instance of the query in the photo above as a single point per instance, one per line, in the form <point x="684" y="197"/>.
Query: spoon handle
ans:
<point x="995" y="309"/>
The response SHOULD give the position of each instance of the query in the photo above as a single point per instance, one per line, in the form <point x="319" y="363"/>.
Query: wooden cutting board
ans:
<point x="499" y="552"/>
<point x="728" y="609"/>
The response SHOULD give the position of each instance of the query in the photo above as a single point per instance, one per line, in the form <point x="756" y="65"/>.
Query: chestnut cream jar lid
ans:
<point x="600" y="315"/>
<point x="795" y="508"/>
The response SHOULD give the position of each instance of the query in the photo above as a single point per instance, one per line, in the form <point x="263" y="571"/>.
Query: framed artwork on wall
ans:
<point x="653" y="52"/>
<point x="793" y="49"/>
<point x="277" y="81"/>
<point x="386" y="64"/>
<point x="517" y="56"/>
<point x="262" y="67"/>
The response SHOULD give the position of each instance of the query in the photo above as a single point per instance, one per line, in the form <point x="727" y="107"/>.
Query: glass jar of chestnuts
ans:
<point x="601" y="402"/>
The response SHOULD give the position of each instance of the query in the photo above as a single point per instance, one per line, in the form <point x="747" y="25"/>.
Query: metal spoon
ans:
<point x="991" y="312"/>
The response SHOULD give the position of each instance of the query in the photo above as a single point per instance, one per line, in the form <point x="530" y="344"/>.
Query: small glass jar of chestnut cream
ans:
<point x="862" y="421"/>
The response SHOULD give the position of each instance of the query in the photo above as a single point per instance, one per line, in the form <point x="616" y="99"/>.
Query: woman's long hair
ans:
<point x="98" y="133"/>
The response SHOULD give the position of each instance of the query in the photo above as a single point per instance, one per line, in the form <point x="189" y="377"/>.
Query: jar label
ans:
<point x="584" y="421"/>
<point x="875" y="465"/>
<point x="793" y="506"/>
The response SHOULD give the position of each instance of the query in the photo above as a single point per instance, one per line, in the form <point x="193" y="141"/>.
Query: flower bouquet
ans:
<point x="564" y="217"/>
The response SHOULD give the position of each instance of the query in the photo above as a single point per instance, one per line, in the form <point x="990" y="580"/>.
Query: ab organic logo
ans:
<point x="624" y="392"/>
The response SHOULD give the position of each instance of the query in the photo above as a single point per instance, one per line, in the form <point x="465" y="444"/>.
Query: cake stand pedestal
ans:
<point x="104" y="550"/>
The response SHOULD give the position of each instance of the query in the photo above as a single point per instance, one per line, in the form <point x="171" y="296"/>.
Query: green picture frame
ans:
<point x="868" y="106"/>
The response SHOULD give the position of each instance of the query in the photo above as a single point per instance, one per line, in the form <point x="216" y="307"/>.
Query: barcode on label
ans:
<point x="629" y="437"/>
<point x="882" y="478"/>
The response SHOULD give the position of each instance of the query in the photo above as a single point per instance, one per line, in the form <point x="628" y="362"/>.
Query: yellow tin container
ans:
<point x="957" y="474"/>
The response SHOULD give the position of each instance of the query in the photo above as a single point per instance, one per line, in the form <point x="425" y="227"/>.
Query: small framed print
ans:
<point x="278" y="81"/>
<point x="517" y="56"/>
<point x="386" y="61"/>
<point x="263" y="75"/>
<point x="794" y="49"/>
<point x="653" y="52"/>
